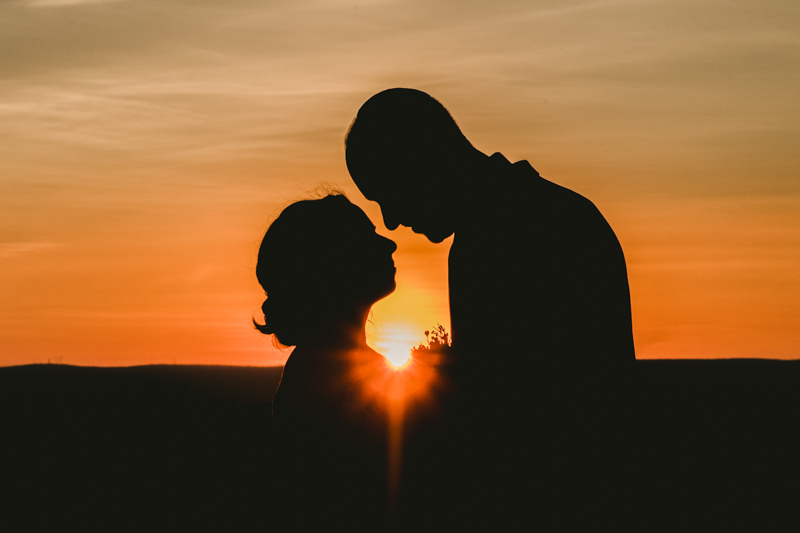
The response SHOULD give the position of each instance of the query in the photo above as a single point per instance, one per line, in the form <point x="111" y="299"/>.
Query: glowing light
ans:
<point x="396" y="388"/>
<point x="398" y="360"/>
<point x="395" y="341"/>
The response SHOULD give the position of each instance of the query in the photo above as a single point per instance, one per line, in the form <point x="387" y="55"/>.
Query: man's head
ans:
<point x="406" y="152"/>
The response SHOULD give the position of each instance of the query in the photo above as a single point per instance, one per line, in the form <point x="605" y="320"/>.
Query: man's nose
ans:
<point x="389" y="219"/>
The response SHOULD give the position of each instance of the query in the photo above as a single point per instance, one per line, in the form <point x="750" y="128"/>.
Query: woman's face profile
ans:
<point x="320" y="262"/>
<point x="368" y="257"/>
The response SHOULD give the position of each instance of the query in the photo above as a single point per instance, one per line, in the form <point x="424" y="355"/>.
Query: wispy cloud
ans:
<point x="63" y="3"/>
<point x="160" y="136"/>
<point x="14" y="249"/>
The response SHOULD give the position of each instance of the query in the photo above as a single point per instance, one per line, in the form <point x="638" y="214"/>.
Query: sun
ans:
<point x="394" y="341"/>
<point x="397" y="358"/>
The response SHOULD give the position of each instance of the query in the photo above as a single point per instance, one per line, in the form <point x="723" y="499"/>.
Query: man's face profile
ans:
<point x="403" y="151"/>
<point x="412" y="199"/>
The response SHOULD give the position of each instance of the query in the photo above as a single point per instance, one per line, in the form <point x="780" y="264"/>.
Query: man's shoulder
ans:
<point x="528" y="186"/>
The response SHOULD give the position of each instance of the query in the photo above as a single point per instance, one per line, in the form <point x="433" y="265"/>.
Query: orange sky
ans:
<point x="145" y="146"/>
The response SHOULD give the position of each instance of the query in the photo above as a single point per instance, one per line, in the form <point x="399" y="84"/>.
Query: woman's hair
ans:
<point x="301" y="266"/>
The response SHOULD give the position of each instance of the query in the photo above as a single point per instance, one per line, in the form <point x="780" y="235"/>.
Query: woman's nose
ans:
<point x="391" y="245"/>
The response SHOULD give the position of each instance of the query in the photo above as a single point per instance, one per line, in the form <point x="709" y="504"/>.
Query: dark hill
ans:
<point x="706" y="445"/>
<point x="167" y="448"/>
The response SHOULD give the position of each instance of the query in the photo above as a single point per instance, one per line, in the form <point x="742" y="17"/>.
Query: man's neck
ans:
<point x="475" y="187"/>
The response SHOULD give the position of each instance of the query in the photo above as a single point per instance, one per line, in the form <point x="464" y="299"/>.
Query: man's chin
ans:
<point x="433" y="235"/>
<point x="436" y="237"/>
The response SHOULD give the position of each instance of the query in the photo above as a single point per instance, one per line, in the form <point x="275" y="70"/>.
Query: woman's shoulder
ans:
<point x="325" y="377"/>
<point x="343" y="388"/>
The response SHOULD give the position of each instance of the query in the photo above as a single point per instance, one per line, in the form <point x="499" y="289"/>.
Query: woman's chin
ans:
<point x="389" y="289"/>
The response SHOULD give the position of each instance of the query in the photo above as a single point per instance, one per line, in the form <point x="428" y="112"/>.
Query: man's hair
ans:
<point x="396" y="124"/>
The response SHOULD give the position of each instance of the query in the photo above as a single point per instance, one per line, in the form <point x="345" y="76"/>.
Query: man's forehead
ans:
<point x="378" y="185"/>
<point x="390" y="193"/>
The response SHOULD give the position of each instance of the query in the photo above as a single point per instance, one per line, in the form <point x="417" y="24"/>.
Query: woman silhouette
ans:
<point x="323" y="266"/>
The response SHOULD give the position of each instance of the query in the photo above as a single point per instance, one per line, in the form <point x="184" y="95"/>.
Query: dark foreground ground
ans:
<point x="187" y="448"/>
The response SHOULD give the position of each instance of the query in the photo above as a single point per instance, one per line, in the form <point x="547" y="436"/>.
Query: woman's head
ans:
<point x="321" y="260"/>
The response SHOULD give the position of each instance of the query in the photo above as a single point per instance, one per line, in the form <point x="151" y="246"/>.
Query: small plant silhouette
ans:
<point x="437" y="345"/>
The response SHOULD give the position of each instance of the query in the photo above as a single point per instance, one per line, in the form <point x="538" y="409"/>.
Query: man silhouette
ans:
<point x="538" y="296"/>
<point x="536" y="275"/>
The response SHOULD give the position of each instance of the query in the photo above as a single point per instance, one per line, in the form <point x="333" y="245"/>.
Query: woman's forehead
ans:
<point x="355" y="217"/>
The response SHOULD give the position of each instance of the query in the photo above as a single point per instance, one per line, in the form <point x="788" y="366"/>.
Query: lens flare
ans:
<point x="405" y="389"/>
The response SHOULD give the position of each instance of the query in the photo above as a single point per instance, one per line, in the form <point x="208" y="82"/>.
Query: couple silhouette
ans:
<point x="538" y="295"/>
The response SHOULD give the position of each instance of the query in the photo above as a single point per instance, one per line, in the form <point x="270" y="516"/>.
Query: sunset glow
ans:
<point x="399" y="362"/>
<point x="146" y="146"/>
<point x="394" y="341"/>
